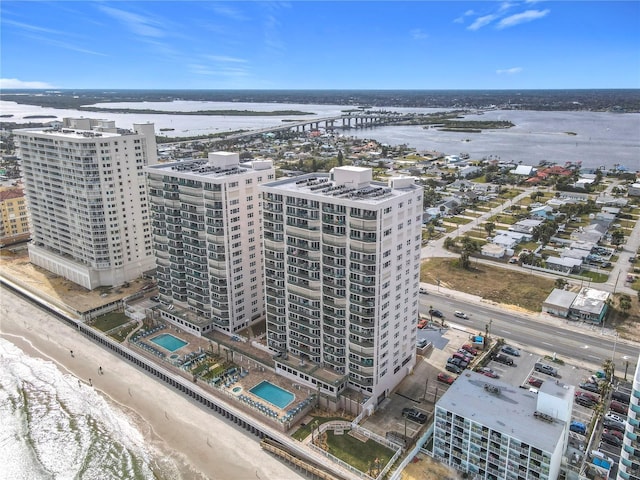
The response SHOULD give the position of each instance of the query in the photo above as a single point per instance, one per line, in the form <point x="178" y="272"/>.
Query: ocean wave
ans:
<point x="56" y="427"/>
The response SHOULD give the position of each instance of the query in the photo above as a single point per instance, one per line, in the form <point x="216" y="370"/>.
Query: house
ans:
<point x="508" y="240"/>
<point x="523" y="170"/>
<point x="590" y="304"/>
<point x="525" y="226"/>
<point x="430" y="214"/>
<point x="634" y="190"/>
<point x="467" y="171"/>
<point x="564" y="264"/>
<point x="559" y="302"/>
<point x="493" y="250"/>
<point x="609" y="201"/>
<point x="544" y="211"/>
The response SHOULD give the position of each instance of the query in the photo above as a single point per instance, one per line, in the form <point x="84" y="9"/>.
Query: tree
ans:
<point x="448" y="243"/>
<point x="561" y="283"/>
<point x="340" y="158"/>
<point x="469" y="246"/>
<point x="617" y="237"/>
<point x="624" y="302"/>
<point x="489" y="227"/>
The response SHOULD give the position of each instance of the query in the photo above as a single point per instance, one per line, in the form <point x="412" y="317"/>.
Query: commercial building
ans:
<point x="497" y="431"/>
<point x="206" y="240"/>
<point x="342" y="268"/>
<point x="629" y="467"/>
<point x="86" y="192"/>
<point x="588" y="304"/>
<point x="14" y="216"/>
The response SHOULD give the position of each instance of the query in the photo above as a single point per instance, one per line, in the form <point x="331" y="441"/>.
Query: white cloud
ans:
<point x="460" y="19"/>
<point x="482" y="22"/>
<point x="15" y="83"/>
<point x="229" y="12"/>
<point x="143" y="26"/>
<point x="33" y="28"/>
<point x="418" y="34"/>
<point x="223" y="58"/>
<point x="509" y="71"/>
<point x="523" y="17"/>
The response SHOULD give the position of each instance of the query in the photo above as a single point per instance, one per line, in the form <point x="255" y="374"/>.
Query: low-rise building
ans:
<point x="590" y="305"/>
<point x="491" y="429"/>
<point x="634" y="190"/>
<point x="559" y="302"/>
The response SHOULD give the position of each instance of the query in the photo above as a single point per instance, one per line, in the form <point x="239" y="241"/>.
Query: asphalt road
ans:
<point x="578" y="345"/>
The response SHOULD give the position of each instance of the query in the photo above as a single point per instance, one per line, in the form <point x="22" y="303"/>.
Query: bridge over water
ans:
<point x="328" y="123"/>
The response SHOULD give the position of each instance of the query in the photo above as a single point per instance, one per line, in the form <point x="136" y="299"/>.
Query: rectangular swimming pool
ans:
<point x="169" y="342"/>
<point x="273" y="394"/>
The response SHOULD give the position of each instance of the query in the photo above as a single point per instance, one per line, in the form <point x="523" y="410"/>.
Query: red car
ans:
<point x="618" y="407"/>
<point x="590" y="396"/>
<point x="536" y="382"/>
<point x="445" y="378"/>
<point x="486" y="371"/>
<point x="468" y="348"/>
<point x="422" y="323"/>
<point x="615" y="433"/>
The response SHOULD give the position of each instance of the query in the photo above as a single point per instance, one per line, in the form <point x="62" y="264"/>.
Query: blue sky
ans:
<point x="320" y="45"/>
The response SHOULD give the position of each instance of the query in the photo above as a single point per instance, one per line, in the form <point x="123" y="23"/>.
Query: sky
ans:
<point x="303" y="44"/>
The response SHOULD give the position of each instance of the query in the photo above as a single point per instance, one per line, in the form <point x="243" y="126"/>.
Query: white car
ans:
<point x="615" y="417"/>
<point x="460" y="314"/>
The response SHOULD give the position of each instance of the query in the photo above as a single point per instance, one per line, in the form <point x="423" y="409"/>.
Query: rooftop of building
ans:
<point x="347" y="182"/>
<point x="560" y="298"/>
<point x="505" y="409"/>
<point x="73" y="133"/>
<point x="8" y="193"/>
<point x="590" y="300"/>
<point x="217" y="165"/>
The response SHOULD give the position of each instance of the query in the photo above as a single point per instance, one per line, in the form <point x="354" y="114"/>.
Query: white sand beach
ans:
<point x="208" y="446"/>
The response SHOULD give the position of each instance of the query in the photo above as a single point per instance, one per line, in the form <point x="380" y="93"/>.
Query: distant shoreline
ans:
<point x="596" y="100"/>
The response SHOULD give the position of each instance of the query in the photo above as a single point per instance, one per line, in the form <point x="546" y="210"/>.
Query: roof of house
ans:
<point x="590" y="300"/>
<point x="560" y="298"/>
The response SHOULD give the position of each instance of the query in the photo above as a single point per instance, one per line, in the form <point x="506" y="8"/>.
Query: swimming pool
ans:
<point x="169" y="342"/>
<point x="273" y="394"/>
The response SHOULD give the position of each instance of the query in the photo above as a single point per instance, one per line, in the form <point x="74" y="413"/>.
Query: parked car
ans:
<point x="460" y="314"/>
<point x="613" y="425"/>
<point x="536" y="382"/>
<point x="467" y="347"/>
<point x="590" y="387"/>
<point x="618" y="407"/>
<point x="592" y="396"/>
<point x="423" y="291"/>
<point x="422" y="323"/>
<point x="611" y="439"/>
<point x="445" y="378"/>
<point x="585" y="402"/>
<point x="578" y="427"/>
<point x="155" y="298"/>
<point x="487" y="372"/>
<point x="458" y="362"/>
<point x="414" y="415"/>
<point x="450" y="367"/>
<point x="511" y="350"/>
<point x="502" y="358"/>
<point x="436" y="313"/>
<point x="422" y="342"/>
<point x="615" y="433"/>
<point x="615" y="417"/>
<point x="546" y="369"/>
<point x="621" y="397"/>
<point x="606" y="264"/>
<point x="466" y="354"/>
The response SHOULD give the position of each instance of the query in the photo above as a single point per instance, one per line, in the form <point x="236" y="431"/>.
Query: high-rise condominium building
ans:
<point x="86" y="193"/>
<point x="629" y="468"/>
<point x="206" y="239"/>
<point x="342" y="267"/>
<point x="14" y="216"/>
<point x="494" y="430"/>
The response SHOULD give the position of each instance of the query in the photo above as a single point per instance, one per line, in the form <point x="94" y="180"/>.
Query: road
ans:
<point x="590" y="345"/>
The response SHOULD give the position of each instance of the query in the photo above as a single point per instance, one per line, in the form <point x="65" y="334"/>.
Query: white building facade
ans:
<point x="342" y="268"/>
<point x="629" y="467"/>
<point x="86" y="191"/>
<point x="206" y="239"/>
<point x="493" y="430"/>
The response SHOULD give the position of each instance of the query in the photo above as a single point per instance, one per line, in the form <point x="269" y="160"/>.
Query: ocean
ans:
<point x="593" y="138"/>
<point x="54" y="427"/>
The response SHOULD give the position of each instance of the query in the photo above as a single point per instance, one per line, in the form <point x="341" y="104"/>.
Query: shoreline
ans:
<point x="202" y="445"/>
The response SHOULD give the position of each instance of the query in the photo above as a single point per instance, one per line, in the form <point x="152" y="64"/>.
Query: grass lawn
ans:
<point x="492" y="283"/>
<point x="595" y="277"/>
<point x="481" y="179"/>
<point x="458" y="220"/>
<point x="357" y="453"/>
<point x="304" y="431"/>
<point x="122" y="333"/>
<point x="111" y="320"/>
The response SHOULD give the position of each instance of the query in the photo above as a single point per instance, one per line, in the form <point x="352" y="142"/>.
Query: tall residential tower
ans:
<point x="206" y="238"/>
<point x="86" y="191"/>
<point x="342" y="268"/>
